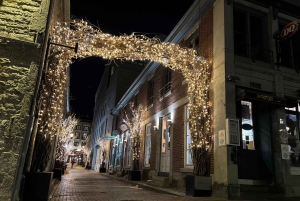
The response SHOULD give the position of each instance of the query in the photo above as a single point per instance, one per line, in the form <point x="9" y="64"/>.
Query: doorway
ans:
<point x="165" y="144"/>
<point x="255" y="159"/>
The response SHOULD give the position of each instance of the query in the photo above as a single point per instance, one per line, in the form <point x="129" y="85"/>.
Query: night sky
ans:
<point x="116" y="17"/>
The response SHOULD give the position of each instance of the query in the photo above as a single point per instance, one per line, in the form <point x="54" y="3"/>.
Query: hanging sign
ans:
<point x="289" y="30"/>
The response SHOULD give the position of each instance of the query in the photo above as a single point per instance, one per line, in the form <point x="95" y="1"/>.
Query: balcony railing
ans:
<point x="150" y="101"/>
<point x="254" y="53"/>
<point x="165" y="90"/>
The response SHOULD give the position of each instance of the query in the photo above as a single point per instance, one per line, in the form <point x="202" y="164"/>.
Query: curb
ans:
<point x="146" y="186"/>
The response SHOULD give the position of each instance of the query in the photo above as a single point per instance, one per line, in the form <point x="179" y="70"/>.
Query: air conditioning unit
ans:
<point x="233" y="132"/>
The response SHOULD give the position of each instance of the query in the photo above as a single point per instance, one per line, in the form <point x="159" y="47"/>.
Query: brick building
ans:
<point x="115" y="81"/>
<point x="254" y="101"/>
<point x="25" y="26"/>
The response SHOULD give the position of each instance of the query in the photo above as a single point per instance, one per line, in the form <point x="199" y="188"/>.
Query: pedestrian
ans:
<point x="72" y="163"/>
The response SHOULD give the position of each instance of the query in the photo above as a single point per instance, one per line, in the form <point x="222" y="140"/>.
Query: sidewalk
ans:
<point x="177" y="192"/>
<point x="144" y="185"/>
<point x="84" y="177"/>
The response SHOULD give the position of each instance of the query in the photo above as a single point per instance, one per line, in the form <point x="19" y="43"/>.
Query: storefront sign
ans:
<point x="289" y="30"/>
<point x="285" y="151"/>
<point x="222" y="138"/>
<point x="264" y="97"/>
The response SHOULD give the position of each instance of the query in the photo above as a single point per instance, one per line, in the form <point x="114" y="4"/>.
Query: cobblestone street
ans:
<point x="88" y="185"/>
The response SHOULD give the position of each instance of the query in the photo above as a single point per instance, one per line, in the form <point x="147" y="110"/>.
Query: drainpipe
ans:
<point x="29" y="138"/>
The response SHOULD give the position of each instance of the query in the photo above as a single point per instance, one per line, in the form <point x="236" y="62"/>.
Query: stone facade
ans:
<point x="22" y="46"/>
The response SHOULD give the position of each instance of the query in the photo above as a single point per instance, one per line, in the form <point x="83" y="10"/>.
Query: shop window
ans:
<point x="129" y="150"/>
<point x="247" y="122"/>
<point x="188" y="140"/>
<point x="250" y="34"/>
<point x="114" y="146"/>
<point x="148" y="145"/>
<point x="292" y="114"/>
<point x="119" y="150"/>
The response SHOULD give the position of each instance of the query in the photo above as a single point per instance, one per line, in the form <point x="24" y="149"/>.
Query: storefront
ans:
<point x="255" y="154"/>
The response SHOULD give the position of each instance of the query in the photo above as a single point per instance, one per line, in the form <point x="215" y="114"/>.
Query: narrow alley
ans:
<point x="80" y="184"/>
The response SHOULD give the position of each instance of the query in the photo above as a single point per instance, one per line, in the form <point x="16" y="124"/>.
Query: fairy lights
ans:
<point x="64" y="144"/>
<point x="134" y="123"/>
<point x="93" y="42"/>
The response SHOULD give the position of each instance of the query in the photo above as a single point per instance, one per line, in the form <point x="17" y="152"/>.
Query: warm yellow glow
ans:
<point x="65" y="131"/>
<point x="93" y="42"/>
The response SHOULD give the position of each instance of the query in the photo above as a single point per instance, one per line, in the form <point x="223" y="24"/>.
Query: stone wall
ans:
<point x="22" y="24"/>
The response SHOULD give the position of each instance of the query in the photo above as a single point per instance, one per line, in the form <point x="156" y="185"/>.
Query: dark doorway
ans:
<point x="255" y="160"/>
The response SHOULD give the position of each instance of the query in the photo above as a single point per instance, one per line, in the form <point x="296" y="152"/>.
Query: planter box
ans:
<point x="37" y="186"/>
<point x="134" y="175"/>
<point x="102" y="169"/>
<point x="57" y="172"/>
<point x="198" y="186"/>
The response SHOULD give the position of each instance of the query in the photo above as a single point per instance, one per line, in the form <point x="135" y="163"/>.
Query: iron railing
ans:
<point x="150" y="101"/>
<point x="166" y="89"/>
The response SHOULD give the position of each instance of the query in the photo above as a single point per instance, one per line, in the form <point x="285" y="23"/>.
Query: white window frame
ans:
<point x="186" y="133"/>
<point x="147" y="148"/>
<point x="129" y="149"/>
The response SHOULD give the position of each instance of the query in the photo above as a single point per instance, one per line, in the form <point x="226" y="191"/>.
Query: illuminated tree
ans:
<point x="134" y="123"/>
<point x="64" y="136"/>
<point x="93" y="42"/>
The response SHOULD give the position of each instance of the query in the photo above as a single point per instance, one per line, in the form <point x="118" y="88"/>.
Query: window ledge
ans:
<point x="189" y="169"/>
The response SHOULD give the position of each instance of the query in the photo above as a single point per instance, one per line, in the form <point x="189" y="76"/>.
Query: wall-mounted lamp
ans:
<point x="155" y="128"/>
<point x="233" y="78"/>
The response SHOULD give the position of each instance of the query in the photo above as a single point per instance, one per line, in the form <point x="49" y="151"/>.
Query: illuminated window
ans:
<point x="247" y="126"/>
<point x="128" y="149"/>
<point x="148" y="145"/>
<point x="188" y="153"/>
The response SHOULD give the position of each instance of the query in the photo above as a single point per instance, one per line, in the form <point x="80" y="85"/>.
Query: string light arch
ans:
<point x="93" y="42"/>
